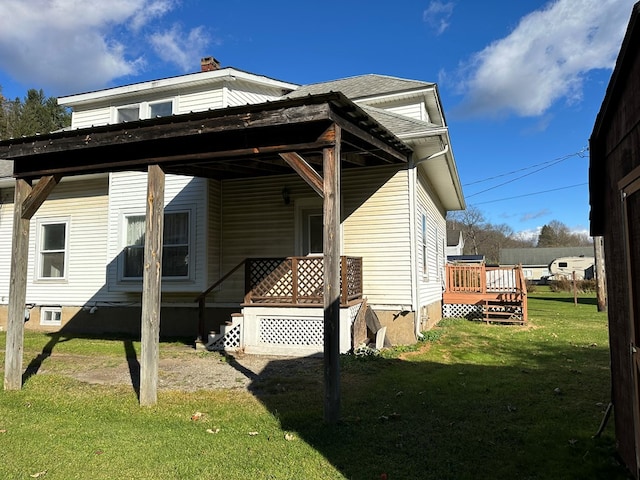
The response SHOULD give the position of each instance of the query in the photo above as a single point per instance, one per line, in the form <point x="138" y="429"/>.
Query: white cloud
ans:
<point x="176" y="47"/>
<point x="545" y="58"/>
<point x="438" y="15"/>
<point x="69" y="46"/>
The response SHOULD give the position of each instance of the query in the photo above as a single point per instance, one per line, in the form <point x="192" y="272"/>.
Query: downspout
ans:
<point x="432" y="156"/>
<point x="413" y="187"/>
<point x="415" y="290"/>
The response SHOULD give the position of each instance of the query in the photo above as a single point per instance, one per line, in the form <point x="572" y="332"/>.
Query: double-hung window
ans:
<point x="143" y="110"/>
<point x="175" y="251"/>
<point x="52" y="249"/>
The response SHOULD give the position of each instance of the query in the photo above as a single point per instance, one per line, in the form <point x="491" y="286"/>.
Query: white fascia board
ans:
<point x="173" y="83"/>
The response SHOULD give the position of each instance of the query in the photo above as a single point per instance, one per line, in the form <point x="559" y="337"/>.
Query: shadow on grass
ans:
<point x="532" y="418"/>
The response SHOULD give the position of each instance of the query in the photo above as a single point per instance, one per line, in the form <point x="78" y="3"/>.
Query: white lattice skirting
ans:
<point x="456" y="310"/>
<point x="291" y="331"/>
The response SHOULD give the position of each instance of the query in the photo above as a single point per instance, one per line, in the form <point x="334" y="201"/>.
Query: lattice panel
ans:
<point x="456" y="310"/>
<point x="292" y="331"/>
<point x="354" y="276"/>
<point x="230" y="340"/>
<point x="310" y="277"/>
<point x="271" y="278"/>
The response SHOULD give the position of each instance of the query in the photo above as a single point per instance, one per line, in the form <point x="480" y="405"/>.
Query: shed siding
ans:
<point x="6" y="233"/>
<point x="376" y="227"/>
<point x="128" y="197"/>
<point x="430" y="285"/>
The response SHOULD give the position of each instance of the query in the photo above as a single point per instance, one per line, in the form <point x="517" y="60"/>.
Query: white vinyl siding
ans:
<point x="243" y="93"/>
<point x="83" y="118"/>
<point x="430" y="286"/>
<point x="128" y="197"/>
<point x="256" y="223"/>
<point x="84" y="203"/>
<point x="376" y="227"/>
<point x="413" y="110"/>
<point x="199" y="101"/>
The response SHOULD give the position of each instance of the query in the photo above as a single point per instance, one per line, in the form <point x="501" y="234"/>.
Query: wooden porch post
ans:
<point x="17" y="290"/>
<point x="331" y="248"/>
<point x="151" y="287"/>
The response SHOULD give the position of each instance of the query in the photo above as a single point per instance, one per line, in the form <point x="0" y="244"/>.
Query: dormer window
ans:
<point x="143" y="110"/>
<point x="129" y="113"/>
<point x="160" y="109"/>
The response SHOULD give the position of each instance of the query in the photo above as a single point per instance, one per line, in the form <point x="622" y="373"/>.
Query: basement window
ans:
<point x="51" y="316"/>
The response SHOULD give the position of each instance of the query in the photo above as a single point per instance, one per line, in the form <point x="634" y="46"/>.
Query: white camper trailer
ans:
<point x="564" y="267"/>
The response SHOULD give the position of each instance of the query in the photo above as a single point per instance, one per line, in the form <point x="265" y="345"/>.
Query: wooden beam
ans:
<point x="38" y="195"/>
<point x="374" y="141"/>
<point x="17" y="291"/>
<point x="331" y="250"/>
<point x="601" y="278"/>
<point x="151" y="287"/>
<point x="306" y="171"/>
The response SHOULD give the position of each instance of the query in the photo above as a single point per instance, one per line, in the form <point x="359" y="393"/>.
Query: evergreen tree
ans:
<point x="35" y="114"/>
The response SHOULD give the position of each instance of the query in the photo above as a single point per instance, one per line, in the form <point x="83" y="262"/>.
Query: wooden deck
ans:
<point x="500" y="292"/>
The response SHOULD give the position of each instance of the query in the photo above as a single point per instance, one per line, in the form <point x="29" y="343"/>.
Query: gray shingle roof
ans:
<point x="361" y="86"/>
<point x="540" y="256"/>
<point x="398" y="124"/>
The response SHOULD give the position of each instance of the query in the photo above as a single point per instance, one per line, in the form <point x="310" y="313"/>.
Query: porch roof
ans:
<point x="223" y="143"/>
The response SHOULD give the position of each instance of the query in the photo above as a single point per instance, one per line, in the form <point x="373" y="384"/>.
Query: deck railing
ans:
<point x="298" y="280"/>
<point x="482" y="279"/>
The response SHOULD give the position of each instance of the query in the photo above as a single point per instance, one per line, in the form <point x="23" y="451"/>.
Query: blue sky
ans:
<point x="521" y="81"/>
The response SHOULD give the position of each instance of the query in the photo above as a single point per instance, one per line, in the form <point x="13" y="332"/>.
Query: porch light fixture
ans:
<point x="285" y="196"/>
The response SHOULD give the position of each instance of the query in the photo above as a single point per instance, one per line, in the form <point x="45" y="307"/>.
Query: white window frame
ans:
<point x="190" y="245"/>
<point x="144" y="108"/>
<point x="52" y="312"/>
<point x="41" y="223"/>
<point x="424" y="228"/>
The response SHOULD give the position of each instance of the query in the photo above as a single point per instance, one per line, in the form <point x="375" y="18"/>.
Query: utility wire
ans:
<point x="543" y="165"/>
<point x="531" y="194"/>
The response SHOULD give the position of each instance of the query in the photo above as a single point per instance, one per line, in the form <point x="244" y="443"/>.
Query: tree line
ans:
<point x="33" y="114"/>
<point x="485" y="238"/>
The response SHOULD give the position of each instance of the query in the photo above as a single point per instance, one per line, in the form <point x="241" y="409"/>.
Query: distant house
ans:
<point x="535" y="261"/>
<point x="455" y="242"/>
<point x="614" y="189"/>
<point x="246" y="160"/>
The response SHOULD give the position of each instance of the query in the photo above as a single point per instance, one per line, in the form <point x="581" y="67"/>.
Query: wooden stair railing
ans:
<point x="201" y="299"/>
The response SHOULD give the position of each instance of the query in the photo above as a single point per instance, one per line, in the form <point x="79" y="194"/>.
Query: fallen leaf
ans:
<point x="3" y="431"/>
<point x="39" y="474"/>
<point x="289" y="437"/>
<point x="196" y="416"/>
<point x="98" y="452"/>
<point x="213" y="430"/>
<point x="253" y="434"/>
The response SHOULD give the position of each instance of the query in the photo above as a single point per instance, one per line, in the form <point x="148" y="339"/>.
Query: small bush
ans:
<point x="563" y="284"/>
<point x="531" y="286"/>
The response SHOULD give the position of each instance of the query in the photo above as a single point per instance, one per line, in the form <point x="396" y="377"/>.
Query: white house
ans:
<point x="250" y="227"/>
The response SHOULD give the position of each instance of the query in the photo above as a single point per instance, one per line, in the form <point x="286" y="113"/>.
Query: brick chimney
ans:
<point x="209" y="64"/>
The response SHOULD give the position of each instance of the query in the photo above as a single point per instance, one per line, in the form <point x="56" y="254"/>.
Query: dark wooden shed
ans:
<point x="614" y="184"/>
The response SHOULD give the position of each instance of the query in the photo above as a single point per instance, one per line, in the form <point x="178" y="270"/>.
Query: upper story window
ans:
<point x="143" y="110"/>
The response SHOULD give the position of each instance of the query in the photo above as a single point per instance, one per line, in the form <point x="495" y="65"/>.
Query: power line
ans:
<point x="531" y="194"/>
<point x="543" y="165"/>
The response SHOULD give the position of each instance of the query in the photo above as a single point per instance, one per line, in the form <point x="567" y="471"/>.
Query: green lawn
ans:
<point x="476" y="402"/>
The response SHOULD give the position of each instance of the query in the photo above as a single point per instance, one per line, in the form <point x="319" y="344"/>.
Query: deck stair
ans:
<point x="493" y="294"/>
<point x="229" y="338"/>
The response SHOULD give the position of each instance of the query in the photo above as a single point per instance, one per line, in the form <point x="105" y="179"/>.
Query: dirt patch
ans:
<point x="185" y="369"/>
